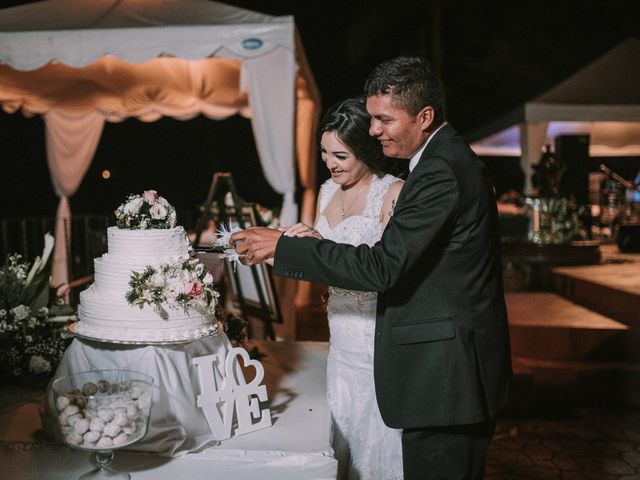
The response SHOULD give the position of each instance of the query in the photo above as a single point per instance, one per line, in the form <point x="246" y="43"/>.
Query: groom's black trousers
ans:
<point x="446" y="453"/>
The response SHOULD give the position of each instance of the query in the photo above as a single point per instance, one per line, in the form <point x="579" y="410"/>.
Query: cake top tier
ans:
<point x="146" y="211"/>
<point x="147" y="244"/>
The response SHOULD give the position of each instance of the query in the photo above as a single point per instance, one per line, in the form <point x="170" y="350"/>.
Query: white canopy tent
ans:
<point x="78" y="63"/>
<point x="602" y="100"/>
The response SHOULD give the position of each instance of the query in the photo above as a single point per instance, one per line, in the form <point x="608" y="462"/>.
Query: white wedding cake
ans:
<point x="147" y="288"/>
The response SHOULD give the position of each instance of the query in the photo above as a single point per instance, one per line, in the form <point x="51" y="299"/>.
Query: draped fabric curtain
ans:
<point x="272" y="102"/>
<point x="72" y="137"/>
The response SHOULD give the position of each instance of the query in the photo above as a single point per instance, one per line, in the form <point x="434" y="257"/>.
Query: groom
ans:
<point x="442" y="361"/>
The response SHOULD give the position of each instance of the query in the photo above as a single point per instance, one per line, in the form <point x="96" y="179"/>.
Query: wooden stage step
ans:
<point x="565" y="352"/>
<point x="612" y="288"/>
<point x="545" y="325"/>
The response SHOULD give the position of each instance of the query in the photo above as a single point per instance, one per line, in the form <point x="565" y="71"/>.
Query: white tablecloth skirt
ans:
<point x="177" y="426"/>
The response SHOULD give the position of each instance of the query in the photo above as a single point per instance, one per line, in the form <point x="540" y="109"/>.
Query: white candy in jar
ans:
<point x="121" y="418"/>
<point x="62" y="402"/>
<point x="132" y="411"/>
<point x="63" y="419"/>
<point x="129" y="429"/>
<point x="91" y="436"/>
<point x="105" y="442"/>
<point x="71" y="410"/>
<point x="87" y="413"/>
<point x="96" y="425"/>
<point x="112" y="429"/>
<point x="81" y="425"/>
<point x="120" y="439"/>
<point x="71" y="420"/>
<point x="73" y="438"/>
<point x="106" y="414"/>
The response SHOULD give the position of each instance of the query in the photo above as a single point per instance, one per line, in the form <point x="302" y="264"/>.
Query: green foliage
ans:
<point x="30" y="343"/>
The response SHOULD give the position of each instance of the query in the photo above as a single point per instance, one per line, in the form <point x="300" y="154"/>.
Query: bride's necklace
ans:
<point x="344" y="210"/>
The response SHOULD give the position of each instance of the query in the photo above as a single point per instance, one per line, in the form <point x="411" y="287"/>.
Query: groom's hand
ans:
<point x="255" y="244"/>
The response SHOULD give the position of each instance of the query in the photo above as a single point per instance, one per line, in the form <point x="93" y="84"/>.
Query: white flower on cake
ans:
<point x="181" y="284"/>
<point x="133" y="205"/>
<point x="145" y="211"/>
<point x="157" y="280"/>
<point x="158" y="212"/>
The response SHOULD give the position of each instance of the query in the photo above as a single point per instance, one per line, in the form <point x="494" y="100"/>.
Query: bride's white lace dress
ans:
<point x="374" y="449"/>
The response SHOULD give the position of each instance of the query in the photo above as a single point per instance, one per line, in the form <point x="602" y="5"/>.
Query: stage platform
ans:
<point x="611" y="288"/>
<point x="579" y="342"/>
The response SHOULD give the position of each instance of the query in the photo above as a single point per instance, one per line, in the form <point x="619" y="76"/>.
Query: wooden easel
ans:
<point x="221" y="184"/>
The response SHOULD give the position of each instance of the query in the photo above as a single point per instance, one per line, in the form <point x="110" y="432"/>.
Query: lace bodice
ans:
<point x="355" y="229"/>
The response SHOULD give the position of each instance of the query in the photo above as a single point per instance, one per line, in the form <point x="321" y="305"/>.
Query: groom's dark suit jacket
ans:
<point x="442" y="344"/>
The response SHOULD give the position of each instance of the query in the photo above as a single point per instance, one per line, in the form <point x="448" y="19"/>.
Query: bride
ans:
<point x="354" y="206"/>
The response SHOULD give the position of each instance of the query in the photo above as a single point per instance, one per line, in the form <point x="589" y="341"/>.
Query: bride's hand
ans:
<point x="301" y="230"/>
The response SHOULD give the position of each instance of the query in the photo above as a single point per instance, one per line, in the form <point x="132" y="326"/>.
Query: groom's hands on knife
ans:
<point x="255" y="244"/>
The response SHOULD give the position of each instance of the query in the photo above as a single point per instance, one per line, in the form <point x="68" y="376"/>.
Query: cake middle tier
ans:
<point x="112" y="273"/>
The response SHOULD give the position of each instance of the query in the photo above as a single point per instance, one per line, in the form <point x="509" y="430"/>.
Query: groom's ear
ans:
<point x="426" y="117"/>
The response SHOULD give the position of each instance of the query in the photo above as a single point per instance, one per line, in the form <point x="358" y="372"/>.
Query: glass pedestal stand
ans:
<point x="103" y="470"/>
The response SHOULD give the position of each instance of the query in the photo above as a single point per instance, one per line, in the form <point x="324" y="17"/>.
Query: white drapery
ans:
<point x="273" y="116"/>
<point x="72" y="137"/>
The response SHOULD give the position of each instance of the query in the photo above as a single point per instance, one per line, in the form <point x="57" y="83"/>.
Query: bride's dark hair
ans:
<point x="350" y="120"/>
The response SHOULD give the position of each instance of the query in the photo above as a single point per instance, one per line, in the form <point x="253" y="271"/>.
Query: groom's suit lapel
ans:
<point x="443" y="136"/>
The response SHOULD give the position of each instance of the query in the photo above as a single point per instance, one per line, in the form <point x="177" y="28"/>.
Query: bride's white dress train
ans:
<point x="375" y="450"/>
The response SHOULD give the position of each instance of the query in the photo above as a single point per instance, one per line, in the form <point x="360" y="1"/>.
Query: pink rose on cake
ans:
<point x="150" y="196"/>
<point x="194" y="289"/>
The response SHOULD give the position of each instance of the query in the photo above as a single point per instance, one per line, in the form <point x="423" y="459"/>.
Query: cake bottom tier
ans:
<point x="102" y="318"/>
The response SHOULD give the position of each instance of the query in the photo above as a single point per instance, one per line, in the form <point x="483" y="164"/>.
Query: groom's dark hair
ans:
<point x="411" y="83"/>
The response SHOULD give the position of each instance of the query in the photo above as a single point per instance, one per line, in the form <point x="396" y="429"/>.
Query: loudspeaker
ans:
<point x="573" y="150"/>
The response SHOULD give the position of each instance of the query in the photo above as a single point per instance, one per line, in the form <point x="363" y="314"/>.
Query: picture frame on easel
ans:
<point x="251" y="287"/>
<point x="259" y="297"/>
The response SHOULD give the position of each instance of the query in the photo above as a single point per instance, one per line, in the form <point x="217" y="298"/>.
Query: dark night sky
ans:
<point x="491" y="56"/>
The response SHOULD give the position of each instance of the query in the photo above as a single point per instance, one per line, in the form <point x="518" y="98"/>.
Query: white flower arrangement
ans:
<point x="182" y="284"/>
<point x="29" y="342"/>
<point x="145" y="211"/>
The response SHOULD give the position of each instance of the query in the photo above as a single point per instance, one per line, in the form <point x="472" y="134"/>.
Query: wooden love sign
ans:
<point x="225" y="393"/>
